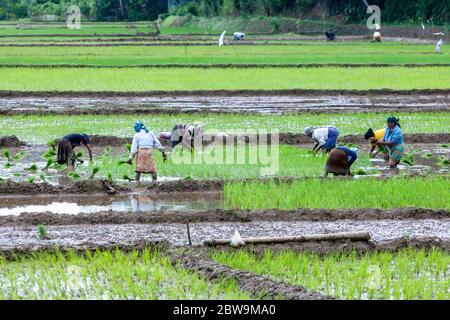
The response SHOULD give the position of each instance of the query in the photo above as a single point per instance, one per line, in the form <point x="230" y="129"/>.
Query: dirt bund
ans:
<point x="283" y="138"/>
<point x="361" y="247"/>
<point x="213" y="93"/>
<point x="209" y="66"/>
<point x="11" y="141"/>
<point x="93" y="186"/>
<point x="221" y="215"/>
<point x="259" y="286"/>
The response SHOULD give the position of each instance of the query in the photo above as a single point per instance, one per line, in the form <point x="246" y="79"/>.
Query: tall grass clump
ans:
<point x="432" y="192"/>
<point x="408" y="274"/>
<point x="146" y="274"/>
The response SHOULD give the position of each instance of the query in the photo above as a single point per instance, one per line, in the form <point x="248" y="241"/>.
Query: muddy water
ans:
<point x="81" y="235"/>
<point x="135" y="202"/>
<point x="232" y="104"/>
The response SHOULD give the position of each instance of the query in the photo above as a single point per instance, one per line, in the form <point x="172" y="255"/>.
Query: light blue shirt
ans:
<point x="396" y="136"/>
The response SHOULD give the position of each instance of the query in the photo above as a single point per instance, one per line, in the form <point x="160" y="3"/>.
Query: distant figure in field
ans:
<point x="238" y="36"/>
<point x="439" y="45"/>
<point x="376" y="36"/>
<point x="331" y="36"/>
<point x="324" y="137"/>
<point x="340" y="160"/>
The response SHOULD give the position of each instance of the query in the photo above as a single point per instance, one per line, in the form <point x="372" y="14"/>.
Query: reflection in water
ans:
<point x="131" y="203"/>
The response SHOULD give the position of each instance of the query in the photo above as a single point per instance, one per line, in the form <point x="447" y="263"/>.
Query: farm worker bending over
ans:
<point x="373" y="137"/>
<point x="185" y="134"/>
<point x="393" y="140"/>
<point x="238" y="36"/>
<point x="142" y="148"/>
<point x="66" y="145"/>
<point x="325" y="137"/>
<point x="340" y="160"/>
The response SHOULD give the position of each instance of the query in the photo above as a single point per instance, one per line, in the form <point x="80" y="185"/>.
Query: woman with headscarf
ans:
<point x="340" y="160"/>
<point x="373" y="137"/>
<point x="325" y="137"/>
<point x="393" y="140"/>
<point x="144" y="141"/>
<point x="66" y="146"/>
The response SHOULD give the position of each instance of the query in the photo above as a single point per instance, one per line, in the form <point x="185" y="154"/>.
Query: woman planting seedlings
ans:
<point x="142" y="148"/>
<point x="66" y="146"/>
<point x="340" y="160"/>
<point x="373" y="137"/>
<point x="393" y="140"/>
<point x="185" y="134"/>
<point x="324" y="137"/>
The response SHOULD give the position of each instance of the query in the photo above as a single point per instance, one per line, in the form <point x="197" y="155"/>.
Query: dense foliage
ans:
<point x="435" y="11"/>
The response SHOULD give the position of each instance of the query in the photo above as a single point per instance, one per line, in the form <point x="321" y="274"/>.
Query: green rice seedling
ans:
<point x="31" y="180"/>
<point x="19" y="156"/>
<point x="48" y="165"/>
<point x="33" y="167"/>
<point x="95" y="170"/>
<point x="79" y="154"/>
<point x="42" y="177"/>
<point x="427" y="155"/>
<point x="50" y="153"/>
<point x="444" y="162"/>
<point x="7" y="155"/>
<point x="121" y="162"/>
<point x="126" y="177"/>
<point x="443" y="145"/>
<point x="360" y="172"/>
<point x="408" y="159"/>
<point x="52" y="144"/>
<point x="109" y="176"/>
<point x="128" y="147"/>
<point x="74" y="175"/>
<point x="42" y="232"/>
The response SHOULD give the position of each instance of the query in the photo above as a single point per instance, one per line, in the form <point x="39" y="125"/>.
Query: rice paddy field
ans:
<point x="94" y="232"/>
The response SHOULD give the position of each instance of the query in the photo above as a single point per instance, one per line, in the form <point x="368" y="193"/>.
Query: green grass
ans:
<point x="41" y="129"/>
<point x="151" y="79"/>
<point x="86" y="29"/>
<point x="107" y="275"/>
<point x="432" y="192"/>
<point x="307" y="53"/>
<point x="243" y="163"/>
<point x="406" y="275"/>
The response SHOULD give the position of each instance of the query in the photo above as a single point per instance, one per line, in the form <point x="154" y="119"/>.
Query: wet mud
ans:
<point x="176" y="233"/>
<point x="9" y="187"/>
<point x="11" y="141"/>
<point x="235" y="102"/>
<point x="221" y="215"/>
<point x="260" y="286"/>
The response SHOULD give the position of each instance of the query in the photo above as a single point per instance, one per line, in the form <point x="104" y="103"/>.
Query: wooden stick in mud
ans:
<point x="354" y="236"/>
<point x="189" y="233"/>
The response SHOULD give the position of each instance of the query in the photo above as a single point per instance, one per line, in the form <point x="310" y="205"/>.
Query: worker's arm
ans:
<point x="390" y="144"/>
<point x="133" y="151"/>
<point x="157" y="144"/>
<point x="315" y="146"/>
<point x="89" y="152"/>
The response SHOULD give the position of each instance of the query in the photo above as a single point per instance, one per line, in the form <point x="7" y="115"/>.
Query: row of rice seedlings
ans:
<point x="430" y="192"/>
<point x="107" y="275"/>
<point x="408" y="274"/>
<point x="46" y="127"/>
<point x="293" y="162"/>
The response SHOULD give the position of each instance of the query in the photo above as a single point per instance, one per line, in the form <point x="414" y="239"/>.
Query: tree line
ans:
<point x="354" y="11"/>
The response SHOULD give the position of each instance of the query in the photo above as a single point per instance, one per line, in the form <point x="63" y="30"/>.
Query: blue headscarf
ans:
<point x="138" y="126"/>
<point x="394" y="120"/>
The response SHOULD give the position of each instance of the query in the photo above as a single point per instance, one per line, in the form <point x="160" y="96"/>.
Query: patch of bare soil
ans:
<point x="86" y="186"/>
<point x="11" y="141"/>
<point x="260" y="286"/>
<point x="225" y="93"/>
<point x="219" y="215"/>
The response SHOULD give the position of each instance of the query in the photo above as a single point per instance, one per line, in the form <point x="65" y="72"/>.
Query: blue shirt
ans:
<point x="396" y="136"/>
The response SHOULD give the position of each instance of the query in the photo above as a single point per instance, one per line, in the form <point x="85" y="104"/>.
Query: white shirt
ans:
<point x="144" y="140"/>
<point x="320" y="135"/>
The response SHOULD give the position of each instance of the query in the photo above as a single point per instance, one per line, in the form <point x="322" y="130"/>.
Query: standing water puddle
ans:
<point x="93" y="204"/>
